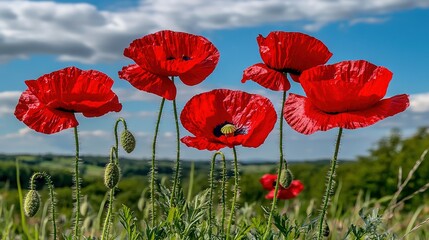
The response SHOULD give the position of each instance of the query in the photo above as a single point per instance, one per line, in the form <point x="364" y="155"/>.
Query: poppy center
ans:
<point x="184" y="58"/>
<point x="227" y="129"/>
<point x="65" y="110"/>
<point x="291" y="71"/>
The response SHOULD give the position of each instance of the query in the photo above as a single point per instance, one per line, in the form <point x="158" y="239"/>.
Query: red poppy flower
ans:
<point x="292" y="191"/>
<point x="268" y="181"/>
<point x="226" y="118"/>
<point x="285" y="52"/>
<point x="347" y="95"/>
<point x="49" y="103"/>
<point x="163" y="54"/>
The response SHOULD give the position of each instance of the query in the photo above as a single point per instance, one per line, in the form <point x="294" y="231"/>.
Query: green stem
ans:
<point x="234" y="198"/>
<point x="223" y="197"/>
<point x="212" y="168"/>
<point x="77" y="190"/>
<point x="116" y="135"/>
<point x="51" y="196"/>
<point x="21" y="201"/>
<point x="177" y="170"/>
<point x="330" y="185"/>
<point x="114" y="160"/>
<point x="279" y="170"/>
<point x="153" y="168"/>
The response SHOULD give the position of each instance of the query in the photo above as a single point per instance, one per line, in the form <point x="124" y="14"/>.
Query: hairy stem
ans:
<point x="235" y="196"/>
<point x="153" y="167"/>
<point x="279" y="170"/>
<point x="223" y="197"/>
<point x="329" y="185"/>
<point x="212" y="168"/>
<point x="50" y="185"/>
<point x="177" y="170"/>
<point x="76" y="233"/>
<point x="113" y="159"/>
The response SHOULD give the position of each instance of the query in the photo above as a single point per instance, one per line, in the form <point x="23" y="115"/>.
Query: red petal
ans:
<point x="287" y="193"/>
<point x="292" y="51"/>
<point x="305" y="118"/>
<point x="266" y="77"/>
<point x="345" y="86"/>
<point x="40" y="118"/>
<point x="169" y="53"/>
<point x="201" y="143"/>
<point x="74" y="90"/>
<point x="200" y="71"/>
<point x="148" y="82"/>
<point x="252" y="113"/>
<point x="268" y="181"/>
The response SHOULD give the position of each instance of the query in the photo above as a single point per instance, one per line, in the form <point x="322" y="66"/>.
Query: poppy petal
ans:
<point x="266" y="77"/>
<point x="345" y="86"/>
<point x="74" y="90"/>
<point x="110" y="106"/>
<point x="41" y="118"/>
<point x="169" y="53"/>
<point x="252" y="115"/>
<point x="201" y="143"/>
<point x="200" y="71"/>
<point x="292" y="51"/>
<point x="146" y="81"/>
<point x="304" y="117"/>
<point x="268" y="181"/>
<point x="287" y="193"/>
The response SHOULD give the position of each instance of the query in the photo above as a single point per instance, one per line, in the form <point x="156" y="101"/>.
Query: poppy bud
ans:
<point x="111" y="175"/>
<point x="286" y="178"/>
<point x="31" y="203"/>
<point x="128" y="141"/>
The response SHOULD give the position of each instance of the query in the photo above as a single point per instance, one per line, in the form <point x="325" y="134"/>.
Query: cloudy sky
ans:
<point x="38" y="37"/>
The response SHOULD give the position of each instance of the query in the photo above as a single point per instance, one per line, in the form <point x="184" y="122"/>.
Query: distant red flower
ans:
<point x="226" y="118"/>
<point x="346" y="94"/>
<point x="287" y="193"/>
<point x="268" y="182"/>
<point x="285" y="52"/>
<point x="163" y="54"/>
<point x="49" y="103"/>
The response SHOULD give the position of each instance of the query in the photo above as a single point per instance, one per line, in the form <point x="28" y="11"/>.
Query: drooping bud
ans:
<point x="31" y="203"/>
<point x="128" y="141"/>
<point x="286" y="178"/>
<point x="111" y="175"/>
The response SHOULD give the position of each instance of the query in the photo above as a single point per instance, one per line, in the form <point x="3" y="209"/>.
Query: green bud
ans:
<point x="128" y="141"/>
<point x="286" y="178"/>
<point x="31" y="203"/>
<point x="111" y="175"/>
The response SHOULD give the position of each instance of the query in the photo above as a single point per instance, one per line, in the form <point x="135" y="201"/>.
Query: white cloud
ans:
<point x="81" y="32"/>
<point x="8" y="100"/>
<point x="419" y="102"/>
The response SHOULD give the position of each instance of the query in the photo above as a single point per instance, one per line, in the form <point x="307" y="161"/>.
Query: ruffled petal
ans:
<point x="200" y="71"/>
<point x="287" y="193"/>
<point x="40" y="118"/>
<point x="252" y="115"/>
<point x="345" y="86"/>
<point x="148" y="82"/>
<point x="169" y="53"/>
<point x="305" y="118"/>
<point x="266" y="77"/>
<point x="202" y="143"/>
<point x="268" y="181"/>
<point x="74" y="90"/>
<point x="111" y="106"/>
<point x="292" y="51"/>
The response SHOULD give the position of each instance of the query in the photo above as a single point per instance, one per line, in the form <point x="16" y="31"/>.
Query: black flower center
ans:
<point x="291" y="71"/>
<point x="65" y="110"/>
<point x="228" y="129"/>
<point x="184" y="57"/>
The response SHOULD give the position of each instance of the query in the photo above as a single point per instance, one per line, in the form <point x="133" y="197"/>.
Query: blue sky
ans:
<point x="38" y="37"/>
